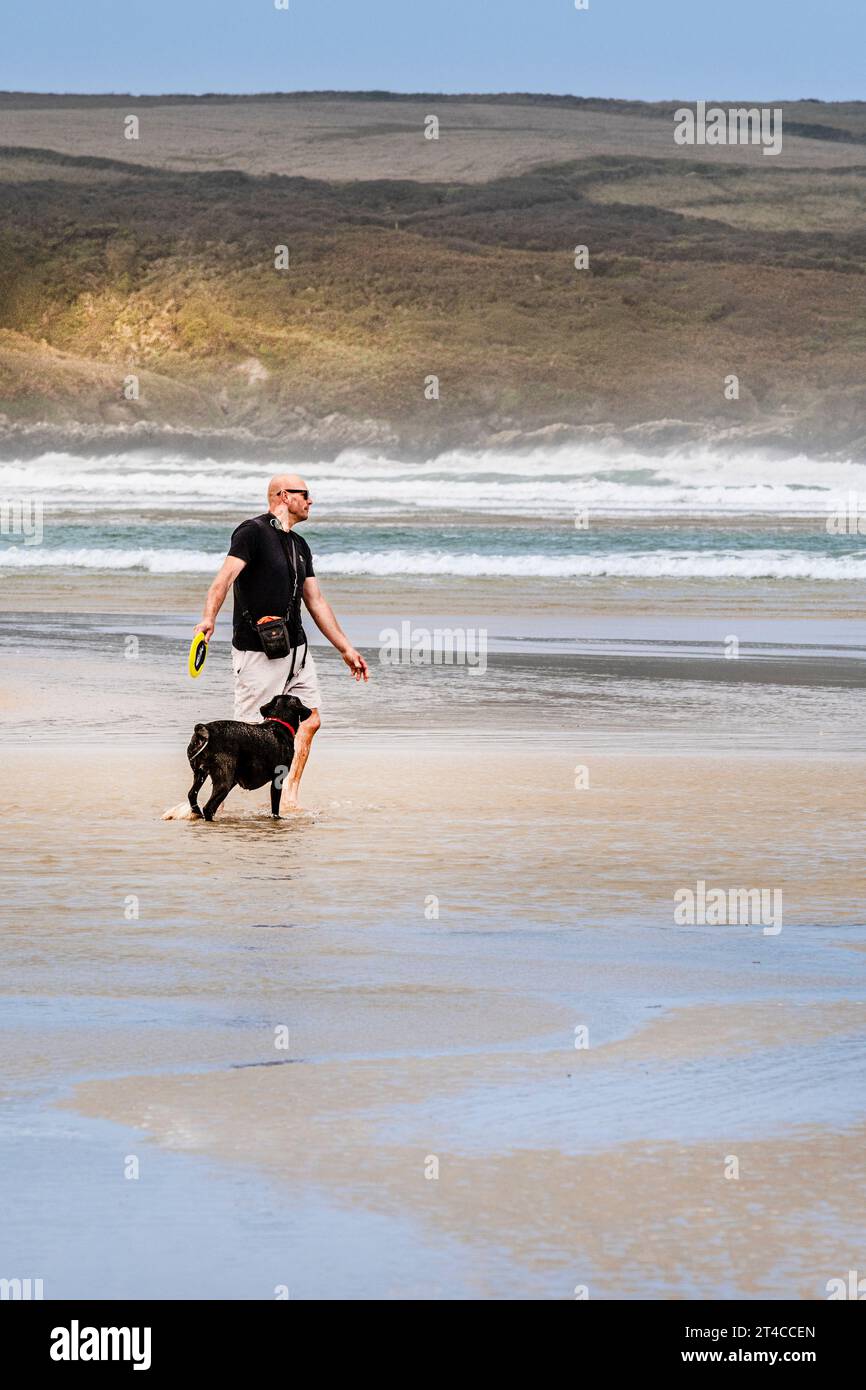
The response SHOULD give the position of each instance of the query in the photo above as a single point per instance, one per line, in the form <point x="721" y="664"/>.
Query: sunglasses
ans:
<point x="301" y="491"/>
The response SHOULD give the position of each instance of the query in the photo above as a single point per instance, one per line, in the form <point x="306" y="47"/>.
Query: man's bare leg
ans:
<point x="303" y="739"/>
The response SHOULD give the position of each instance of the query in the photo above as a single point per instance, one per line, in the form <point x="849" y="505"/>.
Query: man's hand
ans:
<point x="207" y="628"/>
<point x="356" y="664"/>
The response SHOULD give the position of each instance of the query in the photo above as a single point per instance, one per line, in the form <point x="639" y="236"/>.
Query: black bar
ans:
<point x="221" y="1337"/>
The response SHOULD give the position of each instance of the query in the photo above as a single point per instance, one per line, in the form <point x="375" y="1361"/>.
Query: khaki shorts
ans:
<point x="258" y="679"/>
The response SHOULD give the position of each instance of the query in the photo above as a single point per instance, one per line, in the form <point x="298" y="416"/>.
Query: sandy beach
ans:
<point x="504" y="1070"/>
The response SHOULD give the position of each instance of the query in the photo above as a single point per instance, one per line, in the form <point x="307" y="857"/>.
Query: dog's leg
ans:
<point x="276" y="793"/>
<point x="199" y="778"/>
<point x="219" y="792"/>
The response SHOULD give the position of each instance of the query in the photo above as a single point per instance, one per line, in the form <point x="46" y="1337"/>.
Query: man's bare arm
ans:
<point x="323" y="616"/>
<point x="216" y="594"/>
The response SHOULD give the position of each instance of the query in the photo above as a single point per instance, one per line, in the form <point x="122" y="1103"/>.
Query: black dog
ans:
<point x="233" y="754"/>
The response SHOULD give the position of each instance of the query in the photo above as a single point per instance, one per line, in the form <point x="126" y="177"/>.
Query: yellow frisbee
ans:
<point x="197" y="655"/>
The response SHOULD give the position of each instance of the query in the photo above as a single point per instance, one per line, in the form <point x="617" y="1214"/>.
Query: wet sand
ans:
<point x="414" y="1036"/>
<point x="647" y="1218"/>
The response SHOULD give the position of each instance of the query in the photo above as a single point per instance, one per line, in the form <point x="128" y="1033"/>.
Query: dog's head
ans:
<point x="287" y="708"/>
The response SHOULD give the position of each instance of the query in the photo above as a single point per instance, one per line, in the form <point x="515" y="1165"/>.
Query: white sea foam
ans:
<point x="97" y="558"/>
<point x="457" y="487"/>
<point x="721" y="564"/>
<point x="539" y="482"/>
<point x="652" y="564"/>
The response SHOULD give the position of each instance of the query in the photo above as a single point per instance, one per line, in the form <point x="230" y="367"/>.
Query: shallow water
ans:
<point x="554" y="911"/>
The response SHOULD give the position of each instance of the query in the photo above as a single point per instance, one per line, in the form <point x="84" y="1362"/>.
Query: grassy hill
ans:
<point x="699" y="267"/>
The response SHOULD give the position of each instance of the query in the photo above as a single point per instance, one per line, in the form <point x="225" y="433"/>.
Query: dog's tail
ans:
<point x="199" y="741"/>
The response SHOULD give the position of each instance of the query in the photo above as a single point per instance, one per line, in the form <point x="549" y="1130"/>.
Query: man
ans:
<point x="272" y="569"/>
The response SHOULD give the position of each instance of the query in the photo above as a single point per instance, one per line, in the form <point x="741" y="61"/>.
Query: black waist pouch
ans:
<point x="274" y="636"/>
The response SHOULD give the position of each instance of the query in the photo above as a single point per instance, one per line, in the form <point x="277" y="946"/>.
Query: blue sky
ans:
<point x="651" y="49"/>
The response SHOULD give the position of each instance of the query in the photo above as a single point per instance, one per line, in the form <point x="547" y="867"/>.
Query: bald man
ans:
<point x="272" y="570"/>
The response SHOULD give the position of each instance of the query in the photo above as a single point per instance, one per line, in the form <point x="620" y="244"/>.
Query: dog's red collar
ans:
<point x="272" y="719"/>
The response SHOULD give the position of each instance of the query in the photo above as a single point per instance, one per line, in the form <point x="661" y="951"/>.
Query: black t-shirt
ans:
<point x="266" y="582"/>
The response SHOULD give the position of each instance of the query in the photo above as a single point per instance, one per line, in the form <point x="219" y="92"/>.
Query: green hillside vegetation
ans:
<point x="696" y="271"/>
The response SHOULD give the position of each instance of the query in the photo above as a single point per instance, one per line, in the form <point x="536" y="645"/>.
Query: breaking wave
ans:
<point x="654" y="564"/>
